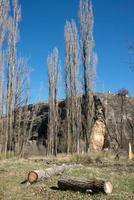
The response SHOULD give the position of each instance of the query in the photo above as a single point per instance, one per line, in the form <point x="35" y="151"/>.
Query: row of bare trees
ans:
<point x="14" y="72"/>
<point x="15" y="118"/>
<point x="79" y="56"/>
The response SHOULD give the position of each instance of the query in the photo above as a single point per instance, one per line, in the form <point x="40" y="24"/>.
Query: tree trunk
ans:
<point x="77" y="184"/>
<point x="39" y="175"/>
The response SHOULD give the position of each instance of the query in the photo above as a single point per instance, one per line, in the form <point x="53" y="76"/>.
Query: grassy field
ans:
<point x="13" y="172"/>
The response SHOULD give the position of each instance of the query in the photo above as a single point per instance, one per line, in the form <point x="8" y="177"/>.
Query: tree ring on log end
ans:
<point x="108" y="187"/>
<point x="32" y="177"/>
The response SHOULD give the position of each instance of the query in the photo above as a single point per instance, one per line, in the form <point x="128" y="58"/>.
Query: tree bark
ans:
<point x="77" y="184"/>
<point x="39" y="175"/>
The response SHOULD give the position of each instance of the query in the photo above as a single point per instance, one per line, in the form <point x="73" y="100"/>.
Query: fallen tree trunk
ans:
<point x="39" y="175"/>
<point x="77" y="184"/>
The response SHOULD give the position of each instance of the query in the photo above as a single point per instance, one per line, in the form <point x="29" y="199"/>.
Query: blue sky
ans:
<point x="42" y="29"/>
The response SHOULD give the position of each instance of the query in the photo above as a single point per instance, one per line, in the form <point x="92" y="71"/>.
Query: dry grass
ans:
<point x="13" y="172"/>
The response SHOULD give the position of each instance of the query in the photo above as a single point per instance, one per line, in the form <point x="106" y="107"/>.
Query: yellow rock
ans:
<point x="96" y="141"/>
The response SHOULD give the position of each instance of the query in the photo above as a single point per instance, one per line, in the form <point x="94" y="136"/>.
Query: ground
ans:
<point x="14" y="171"/>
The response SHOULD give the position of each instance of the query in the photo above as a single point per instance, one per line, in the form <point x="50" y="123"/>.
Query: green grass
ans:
<point x="13" y="172"/>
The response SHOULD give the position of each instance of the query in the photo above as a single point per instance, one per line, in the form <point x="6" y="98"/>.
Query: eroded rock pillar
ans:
<point x="96" y="140"/>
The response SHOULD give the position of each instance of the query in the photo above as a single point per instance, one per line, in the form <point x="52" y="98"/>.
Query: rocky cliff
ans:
<point x="113" y="117"/>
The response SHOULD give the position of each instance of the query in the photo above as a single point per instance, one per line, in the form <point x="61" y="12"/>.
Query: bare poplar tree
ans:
<point x="1" y="99"/>
<point x="13" y="22"/>
<point x="88" y="61"/>
<point x="71" y="84"/>
<point x="67" y="86"/>
<point x="1" y="83"/>
<point x="53" y="66"/>
<point x="4" y="8"/>
<point x="21" y="114"/>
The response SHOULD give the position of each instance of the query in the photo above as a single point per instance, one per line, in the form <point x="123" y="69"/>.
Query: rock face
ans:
<point x="97" y="136"/>
<point x="96" y="141"/>
<point x="106" y="130"/>
<point x="119" y="121"/>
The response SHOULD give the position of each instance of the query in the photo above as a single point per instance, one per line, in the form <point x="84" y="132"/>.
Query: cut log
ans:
<point x="77" y="184"/>
<point x="39" y="175"/>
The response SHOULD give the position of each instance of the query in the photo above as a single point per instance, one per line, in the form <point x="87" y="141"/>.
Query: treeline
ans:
<point x="79" y="75"/>
<point x="14" y="80"/>
<point x="16" y="119"/>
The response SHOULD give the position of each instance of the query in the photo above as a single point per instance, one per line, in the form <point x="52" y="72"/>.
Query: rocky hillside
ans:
<point x="119" y="113"/>
<point x="119" y="120"/>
